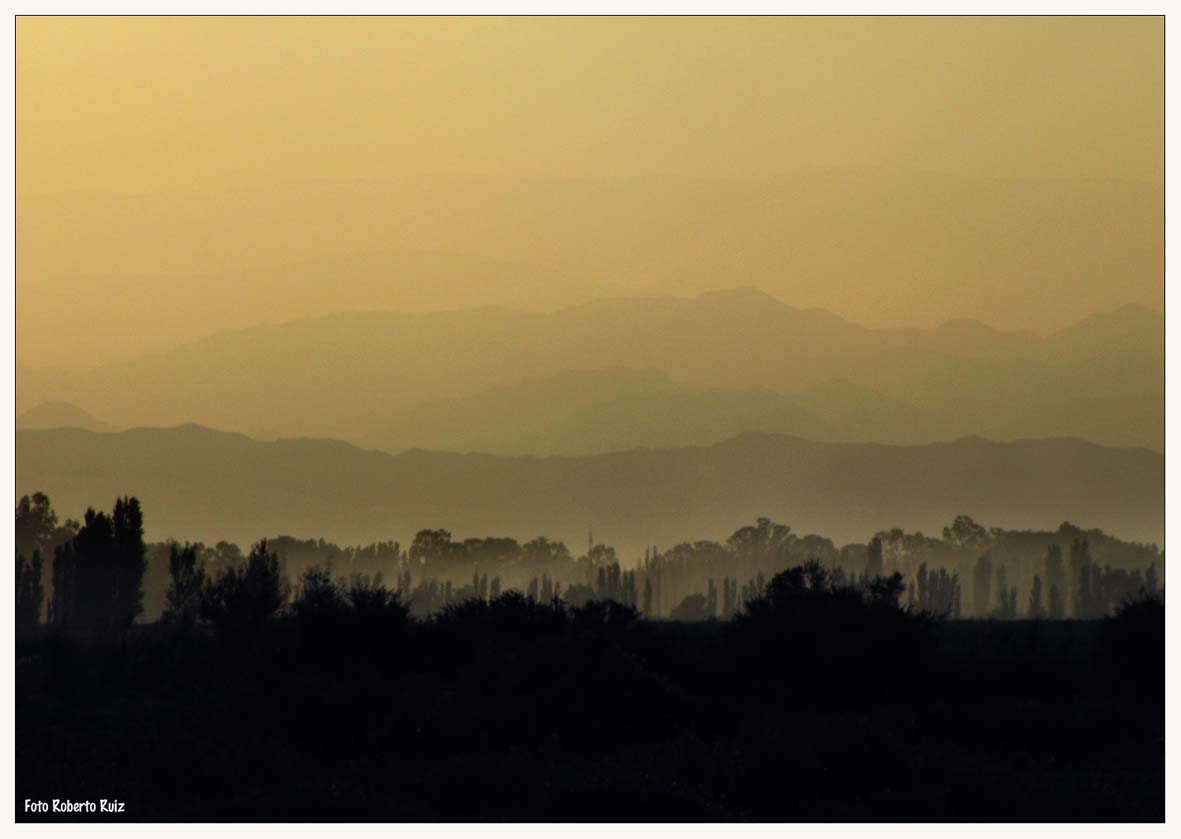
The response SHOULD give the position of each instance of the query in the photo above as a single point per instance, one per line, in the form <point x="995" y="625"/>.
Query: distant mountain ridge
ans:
<point x="55" y="414"/>
<point x="594" y="412"/>
<point x="369" y="376"/>
<point x="1038" y="253"/>
<point x="197" y="483"/>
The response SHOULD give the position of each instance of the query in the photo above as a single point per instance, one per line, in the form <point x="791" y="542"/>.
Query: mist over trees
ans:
<point x="416" y="686"/>
<point x="380" y="662"/>
<point x="633" y="499"/>
<point x="102" y="576"/>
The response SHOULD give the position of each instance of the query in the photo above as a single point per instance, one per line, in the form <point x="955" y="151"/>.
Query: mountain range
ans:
<point x="125" y="274"/>
<point x="55" y="414"/>
<point x="626" y="372"/>
<point x="196" y="483"/>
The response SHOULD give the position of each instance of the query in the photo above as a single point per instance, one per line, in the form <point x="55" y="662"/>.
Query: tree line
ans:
<point x="102" y="574"/>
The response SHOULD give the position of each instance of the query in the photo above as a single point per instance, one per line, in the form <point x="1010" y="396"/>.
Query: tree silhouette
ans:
<point x="29" y="591"/>
<point x="183" y="599"/>
<point x="243" y="598"/>
<point x="874" y="565"/>
<point x="965" y="534"/>
<point x="1150" y="582"/>
<point x="433" y="548"/>
<point x="36" y="524"/>
<point x="729" y="596"/>
<point x="98" y="575"/>
<point x="578" y="594"/>
<point x="318" y="602"/>
<point x="377" y="611"/>
<point x="1057" y="604"/>
<point x="1037" y="610"/>
<point x="1056" y="581"/>
<point x="982" y="587"/>
<point x="1090" y="600"/>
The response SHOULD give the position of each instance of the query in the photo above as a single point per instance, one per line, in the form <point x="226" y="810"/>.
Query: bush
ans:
<point x="606" y="619"/>
<point x="340" y="618"/>
<point x="1130" y="651"/>
<point x="377" y="610"/>
<point x="830" y="640"/>
<point x="510" y="613"/>
<point x="513" y="615"/>
<point x="695" y="607"/>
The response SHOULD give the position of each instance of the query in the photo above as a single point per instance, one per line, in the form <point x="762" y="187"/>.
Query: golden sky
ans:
<point x="233" y="109"/>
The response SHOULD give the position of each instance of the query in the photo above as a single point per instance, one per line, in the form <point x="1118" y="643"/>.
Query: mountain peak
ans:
<point x="1129" y="313"/>
<point x="1131" y="326"/>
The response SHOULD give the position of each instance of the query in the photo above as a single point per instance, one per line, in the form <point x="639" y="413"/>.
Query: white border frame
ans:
<point x="494" y="831"/>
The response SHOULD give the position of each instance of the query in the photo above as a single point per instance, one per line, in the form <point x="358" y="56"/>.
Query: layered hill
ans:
<point x="594" y="412"/>
<point x="197" y="483"/>
<point x="55" y="414"/>
<point x="740" y="360"/>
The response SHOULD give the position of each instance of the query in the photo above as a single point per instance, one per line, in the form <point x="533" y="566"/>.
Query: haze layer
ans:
<point x="181" y="176"/>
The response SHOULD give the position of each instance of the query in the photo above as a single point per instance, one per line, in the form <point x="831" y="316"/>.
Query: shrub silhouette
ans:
<point x="338" y="617"/>
<point x="578" y="594"/>
<point x="510" y="613"/>
<point x="377" y="611"/>
<point x="695" y="607"/>
<point x="243" y="598"/>
<point x="606" y="620"/>
<point x="1130" y="651"/>
<point x="806" y="631"/>
<point x="513" y="617"/>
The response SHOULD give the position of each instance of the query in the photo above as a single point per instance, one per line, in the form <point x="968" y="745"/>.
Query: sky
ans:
<point x="218" y="121"/>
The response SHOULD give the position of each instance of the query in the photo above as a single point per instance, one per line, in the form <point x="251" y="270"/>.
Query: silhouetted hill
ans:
<point x="55" y="414"/>
<point x="197" y="483"/>
<point x="855" y="413"/>
<point x="1130" y="329"/>
<point x="592" y="412"/>
<point x="355" y="376"/>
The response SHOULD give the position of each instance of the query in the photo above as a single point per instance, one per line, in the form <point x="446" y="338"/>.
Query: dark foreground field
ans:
<point x="521" y="711"/>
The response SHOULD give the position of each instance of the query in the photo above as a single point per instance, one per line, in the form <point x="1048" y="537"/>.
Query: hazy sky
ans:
<point x="150" y="104"/>
<point x="185" y="106"/>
